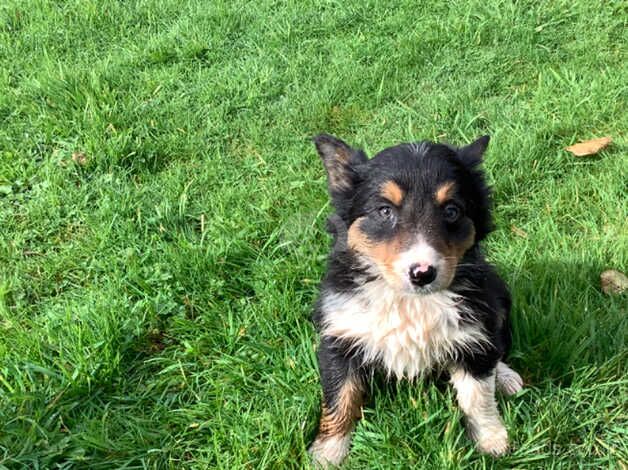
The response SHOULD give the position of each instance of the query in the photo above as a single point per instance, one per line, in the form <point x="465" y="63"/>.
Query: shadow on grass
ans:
<point x="562" y="321"/>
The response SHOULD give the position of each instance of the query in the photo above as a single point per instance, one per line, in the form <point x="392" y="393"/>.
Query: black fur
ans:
<point x="417" y="170"/>
<point x="475" y="278"/>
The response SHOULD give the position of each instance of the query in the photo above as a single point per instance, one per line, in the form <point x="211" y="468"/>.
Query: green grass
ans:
<point x="155" y="301"/>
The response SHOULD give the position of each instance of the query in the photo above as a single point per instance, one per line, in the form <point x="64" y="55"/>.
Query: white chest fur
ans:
<point x="407" y="333"/>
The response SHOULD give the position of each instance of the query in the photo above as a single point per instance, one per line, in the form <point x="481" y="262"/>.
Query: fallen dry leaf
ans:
<point x="519" y="232"/>
<point x="79" y="158"/>
<point x="589" y="147"/>
<point x="613" y="282"/>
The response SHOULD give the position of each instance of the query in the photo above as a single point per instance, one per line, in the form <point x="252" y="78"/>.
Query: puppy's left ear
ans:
<point x="340" y="161"/>
<point x="472" y="154"/>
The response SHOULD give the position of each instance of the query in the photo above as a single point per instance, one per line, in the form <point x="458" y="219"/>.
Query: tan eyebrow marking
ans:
<point x="445" y="191"/>
<point x="392" y="192"/>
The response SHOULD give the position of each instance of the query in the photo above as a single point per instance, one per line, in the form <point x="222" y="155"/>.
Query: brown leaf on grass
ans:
<point x="613" y="282"/>
<point x="589" y="147"/>
<point x="79" y="158"/>
<point x="519" y="232"/>
<point x="155" y="341"/>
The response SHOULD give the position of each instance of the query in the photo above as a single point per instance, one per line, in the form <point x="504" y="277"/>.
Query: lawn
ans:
<point x="162" y="215"/>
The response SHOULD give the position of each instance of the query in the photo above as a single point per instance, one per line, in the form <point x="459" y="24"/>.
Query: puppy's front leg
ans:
<point x="343" y="396"/>
<point x="476" y="397"/>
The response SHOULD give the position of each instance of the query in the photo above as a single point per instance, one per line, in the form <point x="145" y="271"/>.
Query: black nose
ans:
<point x="421" y="275"/>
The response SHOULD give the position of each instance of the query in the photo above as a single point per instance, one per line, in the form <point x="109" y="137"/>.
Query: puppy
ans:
<point x="408" y="290"/>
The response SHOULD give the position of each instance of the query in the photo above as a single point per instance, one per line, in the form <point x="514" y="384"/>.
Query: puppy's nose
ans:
<point x="422" y="274"/>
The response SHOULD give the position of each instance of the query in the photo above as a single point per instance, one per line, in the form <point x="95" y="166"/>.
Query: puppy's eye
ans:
<point x="385" y="212"/>
<point x="452" y="212"/>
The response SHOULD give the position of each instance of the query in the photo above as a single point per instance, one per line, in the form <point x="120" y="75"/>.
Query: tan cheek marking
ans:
<point x="357" y="239"/>
<point x="384" y="254"/>
<point x="445" y="191"/>
<point x="392" y="192"/>
<point x="455" y="251"/>
<point x="459" y="249"/>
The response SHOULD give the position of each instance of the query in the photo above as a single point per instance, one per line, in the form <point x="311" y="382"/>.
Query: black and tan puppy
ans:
<point x="407" y="288"/>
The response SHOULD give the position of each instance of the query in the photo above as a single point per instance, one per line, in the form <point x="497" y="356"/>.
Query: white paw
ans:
<point x="493" y="442"/>
<point x="508" y="381"/>
<point x="329" y="450"/>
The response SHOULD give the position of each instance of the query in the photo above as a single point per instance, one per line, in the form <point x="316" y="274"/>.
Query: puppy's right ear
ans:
<point x="340" y="161"/>
<point x="473" y="153"/>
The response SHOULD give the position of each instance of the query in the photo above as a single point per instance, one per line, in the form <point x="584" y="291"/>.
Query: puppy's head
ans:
<point x="411" y="212"/>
